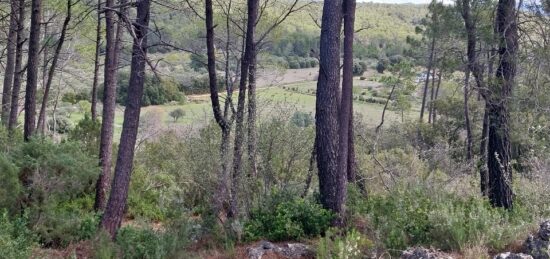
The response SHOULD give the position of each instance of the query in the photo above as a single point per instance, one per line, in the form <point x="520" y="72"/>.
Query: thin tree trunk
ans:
<point x="432" y="97"/>
<point x="18" y="71"/>
<point x="239" y="130"/>
<point x="221" y="195"/>
<point x="251" y="122"/>
<point x="425" y="92"/>
<point x="51" y="72"/>
<point x="499" y="149"/>
<point x="253" y="7"/>
<point x="10" y="62"/>
<point x="116" y="205"/>
<point x="483" y="170"/>
<point x="332" y="185"/>
<point x="109" y="97"/>
<point x="345" y="117"/>
<point x="434" y="112"/>
<point x="469" y="140"/>
<point x="96" y="63"/>
<point x="32" y="70"/>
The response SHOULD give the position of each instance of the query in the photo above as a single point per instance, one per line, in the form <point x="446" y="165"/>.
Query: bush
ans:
<point x="58" y="182"/>
<point x="140" y="243"/>
<point x="16" y="240"/>
<point x="155" y="92"/>
<point x="302" y="119"/>
<point x="293" y="64"/>
<point x="87" y="132"/>
<point x="351" y="245"/>
<point x="60" y="125"/>
<point x="380" y="67"/>
<point x="443" y="220"/>
<point x="177" y="113"/>
<point x="288" y="220"/>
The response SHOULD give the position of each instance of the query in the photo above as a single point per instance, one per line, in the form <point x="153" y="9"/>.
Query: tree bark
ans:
<point x="253" y="7"/>
<point x="434" y="112"/>
<point x="332" y="184"/>
<point x="346" y="105"/>
<point x="239" y="130"/>
<point x="499" y="149"/>
<point x="10" y="62"/>
<point x="51" y="72"/>
<point x="483" y="170"/>
<point x="116" y="205"/>
<point x="432" y="97"/>
<point x="18" y="71"/>
<point x="425" y="92"/>
<point x="109" y="97"/>
<point x="96" y="63"/>
<point x="32" y="70"/>
<point x="469" y="140"/>
<point x="221" y="195"/>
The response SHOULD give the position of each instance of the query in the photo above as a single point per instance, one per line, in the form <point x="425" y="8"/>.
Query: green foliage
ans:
<point x="16" y="240"/>
<point x="87" y="131"/>
<point x="139" y="243"/>
<point x="287" y="220"/>
<point x="155" y="92"/>
<point x="10" y="186"/>
<point x="58" y="181"/>
<point x="60" y="124"/>
<point x="302" y="119"/>
<point x="381" y="67"/>
<point x="177" y="113"/>
<point x="418" y="216"/>
<point x="349" y="245"/>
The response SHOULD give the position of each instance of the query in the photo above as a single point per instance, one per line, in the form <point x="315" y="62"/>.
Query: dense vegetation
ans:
<point x="201" y="128"/>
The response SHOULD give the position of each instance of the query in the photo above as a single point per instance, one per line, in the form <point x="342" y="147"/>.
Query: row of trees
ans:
<point x="487" y="54"/>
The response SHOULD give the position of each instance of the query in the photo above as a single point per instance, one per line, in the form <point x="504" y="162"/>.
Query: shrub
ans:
<point x="16" y="240"/>
<point x="380" y="67"/>
<point x="288" y="220"/>
<point x="155" y="91"/>
<point x="177" y="113"/>
<point x="61" y="179"/>
<point x="87" y="132"/>
<point x="293" y="64"/>
<point x="140" y="243"/>
<point x="350" y="245"/>
<point x="302" y="119"/>
<point x="60" y="124"/>
<point x="419" y="216"/>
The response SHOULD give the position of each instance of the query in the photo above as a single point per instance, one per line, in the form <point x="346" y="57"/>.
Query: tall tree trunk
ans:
<point x="332" y="185"/>
<point x="434" y="112"/>
<point x="251" y="119"/>
<point x="432" y="97"/>
<point x="346" y="117"/>
<point x="51" y="72"/>
<point x="18" y="71"/>
<point x="499" y="150"/>
<point x="109" y="97"/>
<point x="239" y="130"/>
<point x="10" y="62"/>
<point x="116" y="205"/>
<point x="253" y="7"/>
<point x="96" y="62"/>
<point x="32" y="70"/>
<point x="482" y="167"/>
<point x="221" y="195"/>
<point x="427" y="82"/>
<point x="469" y="140"/>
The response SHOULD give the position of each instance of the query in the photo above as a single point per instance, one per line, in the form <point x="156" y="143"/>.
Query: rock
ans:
<point x="538" y="246"/>
<point x="268" y="249"/>
<point x="424" y="253"/>
<point x="509" y="255"/>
